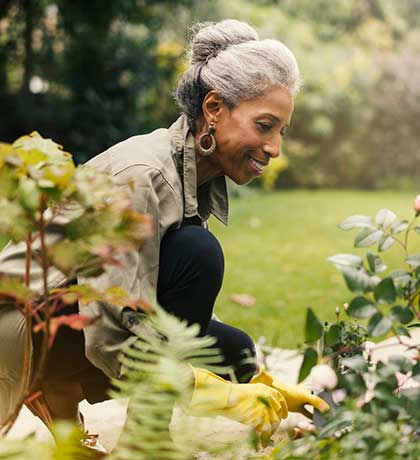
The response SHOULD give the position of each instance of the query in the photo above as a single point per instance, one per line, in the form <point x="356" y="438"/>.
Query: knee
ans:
<point x="203" y="250"/>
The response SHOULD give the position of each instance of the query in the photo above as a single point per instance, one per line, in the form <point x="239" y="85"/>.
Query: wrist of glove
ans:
<point x="258" y="405"/>
<point x="296" y="396"/>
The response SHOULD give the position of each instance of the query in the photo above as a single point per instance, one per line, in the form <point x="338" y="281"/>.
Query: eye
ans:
<point x="283" y="130"/>
<point x="264" y="127"/>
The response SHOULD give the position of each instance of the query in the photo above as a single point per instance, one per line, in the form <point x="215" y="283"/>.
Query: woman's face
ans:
<point x="251" y="133"/>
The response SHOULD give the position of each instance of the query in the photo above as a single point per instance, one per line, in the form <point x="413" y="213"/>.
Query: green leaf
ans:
<point x="356" y="221"/>
<point x="310" y="359"/>
<point x="361" y="307"/>
<point x="358" y="280"/>
<point x="385" y="242"/>
<point x="401" y="330"/>
<point x="385" y="291"/>
<point x="399" y="227"/>
<point x="354" y="384"/>
<point x="13" y="221"/>
<point x="35" y="142"/>
<point x="416" y="371"/>
<point x="384" y="392"/>
<point x="402" y="363"/>
<point x="367" y="237"/>
<point x="378" y="325"/>
<point x="332" y="337"/>
<point x="14" y="288"/>
<point x="29" y="194"/>
<point x="413" y="260"/>
<point x="356" y="363"/>
<point x="313" y="327"/>
<point x="346" y="260"/>
<point x="400" y="277"/>
<point x="414" y="325"/>
<point x="8" y="183"/>
<point x="385" y="218"/>
<point x="375" y="263"/>
<point x="403" y="315"/>
<point x="71" y="259"/>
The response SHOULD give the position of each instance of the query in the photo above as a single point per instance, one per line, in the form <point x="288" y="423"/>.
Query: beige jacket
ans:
<point x="162" y="166"/>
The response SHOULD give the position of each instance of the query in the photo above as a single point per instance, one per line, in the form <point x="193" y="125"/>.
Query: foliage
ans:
<point x="62" y="222"/>
<point x="67" y="446"/>
<point x="357" y="59"/>
<point x="276" y="248"/>
<point x="379" y="417"/>
<point x="157" y="376"/>
<point x="87" y="74"/>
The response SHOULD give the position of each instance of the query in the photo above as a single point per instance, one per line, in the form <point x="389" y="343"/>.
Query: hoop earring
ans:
<point x="207" y="142"/>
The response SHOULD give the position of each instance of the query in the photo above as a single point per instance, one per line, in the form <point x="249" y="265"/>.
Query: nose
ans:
<point x="273" y="146"/>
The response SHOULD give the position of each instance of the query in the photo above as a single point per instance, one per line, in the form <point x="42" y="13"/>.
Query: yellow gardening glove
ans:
<point x="257" y="405"/>
<point x="296" y="396"/>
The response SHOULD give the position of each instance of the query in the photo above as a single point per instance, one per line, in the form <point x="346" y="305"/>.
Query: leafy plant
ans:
<point x="379" y="416"/>
<point x="61" y="222"/>
<point x="157" y="376"/>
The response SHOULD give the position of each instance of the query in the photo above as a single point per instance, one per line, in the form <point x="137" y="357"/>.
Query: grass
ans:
<point x="276" y="249"/>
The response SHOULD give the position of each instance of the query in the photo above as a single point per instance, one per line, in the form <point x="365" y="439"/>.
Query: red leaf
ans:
<point x="75" y="321"/>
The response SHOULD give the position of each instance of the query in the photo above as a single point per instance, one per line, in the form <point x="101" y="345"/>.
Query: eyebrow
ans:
<point x="270" y="115"/>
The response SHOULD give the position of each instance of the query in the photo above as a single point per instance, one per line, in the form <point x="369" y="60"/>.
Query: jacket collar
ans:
<point x="212" y="197"/>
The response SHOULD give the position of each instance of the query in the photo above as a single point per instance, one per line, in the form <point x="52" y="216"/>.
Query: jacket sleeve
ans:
<point x="137" y="274"/>
<point x="12" y="257"/>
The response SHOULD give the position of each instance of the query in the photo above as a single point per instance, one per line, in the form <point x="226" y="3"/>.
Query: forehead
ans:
<point x="276" y="102"/>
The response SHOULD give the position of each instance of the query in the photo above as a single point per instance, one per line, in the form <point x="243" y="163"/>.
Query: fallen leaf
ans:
<point x="244" y="300"/>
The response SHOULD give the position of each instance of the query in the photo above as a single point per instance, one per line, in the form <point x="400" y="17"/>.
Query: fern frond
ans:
<point x="157" y="376"/>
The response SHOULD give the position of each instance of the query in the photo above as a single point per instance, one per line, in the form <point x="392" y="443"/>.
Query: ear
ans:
<point x="213" y="106"/>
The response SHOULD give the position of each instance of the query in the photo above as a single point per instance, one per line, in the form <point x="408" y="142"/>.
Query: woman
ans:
<point x="237" y="99"/>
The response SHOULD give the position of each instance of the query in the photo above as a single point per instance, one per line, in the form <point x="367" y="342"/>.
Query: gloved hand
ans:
<point x="257" y="405"/>
<point x="296" y="396"/>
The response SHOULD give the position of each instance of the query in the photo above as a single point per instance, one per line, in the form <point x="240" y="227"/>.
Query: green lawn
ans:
<point x="282" y="262"/>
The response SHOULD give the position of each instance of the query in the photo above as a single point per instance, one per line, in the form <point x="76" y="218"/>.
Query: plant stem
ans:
<point x="28" y="256"/>
<point x="407" y="231"/>
<point x="44" y="259"/>
<point x="28" y="349"/>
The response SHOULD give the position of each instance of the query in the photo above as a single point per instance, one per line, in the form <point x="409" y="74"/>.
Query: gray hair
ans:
<point x="228" y="57"/>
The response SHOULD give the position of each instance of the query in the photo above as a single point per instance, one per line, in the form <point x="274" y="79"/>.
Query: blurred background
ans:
<point x="92" y="73"/>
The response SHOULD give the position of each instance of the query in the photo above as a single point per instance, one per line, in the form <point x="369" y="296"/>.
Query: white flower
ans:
<point x="323" y="377"/>
<point x="369" y="347"/>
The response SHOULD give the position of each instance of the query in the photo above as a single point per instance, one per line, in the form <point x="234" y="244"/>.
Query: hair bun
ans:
<point x="211" y="38"/>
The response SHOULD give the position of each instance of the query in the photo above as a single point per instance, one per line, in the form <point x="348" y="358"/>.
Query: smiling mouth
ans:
<point x="257" y="165"/>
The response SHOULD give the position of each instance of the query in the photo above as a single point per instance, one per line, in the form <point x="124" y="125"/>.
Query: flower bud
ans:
<point x="346" y="306"/>
<point x="368" y="347"/>
<point x="417" y="204"/>
<point x="337" y="311"/>
<point x="323" y="377"/>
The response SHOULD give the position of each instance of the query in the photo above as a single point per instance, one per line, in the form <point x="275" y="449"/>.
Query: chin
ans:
<point x="241" y="180"/>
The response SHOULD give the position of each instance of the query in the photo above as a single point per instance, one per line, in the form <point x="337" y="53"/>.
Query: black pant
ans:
<point x="191" y="270"/>
<point x="190" y="276"/>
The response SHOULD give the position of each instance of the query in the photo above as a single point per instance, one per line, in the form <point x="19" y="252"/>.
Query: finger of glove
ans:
<point x="285" y="409"/>
<point x="265" y="416"/>
<point x="317" y="403"/>
<point x="280" y="405"/>
<point x="267" y="424"/>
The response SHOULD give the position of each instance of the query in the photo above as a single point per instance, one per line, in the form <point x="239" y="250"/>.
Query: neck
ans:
<point x="206" y="168"/>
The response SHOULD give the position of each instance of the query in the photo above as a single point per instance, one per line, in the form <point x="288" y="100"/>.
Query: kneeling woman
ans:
<point x="237" y="99"/>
